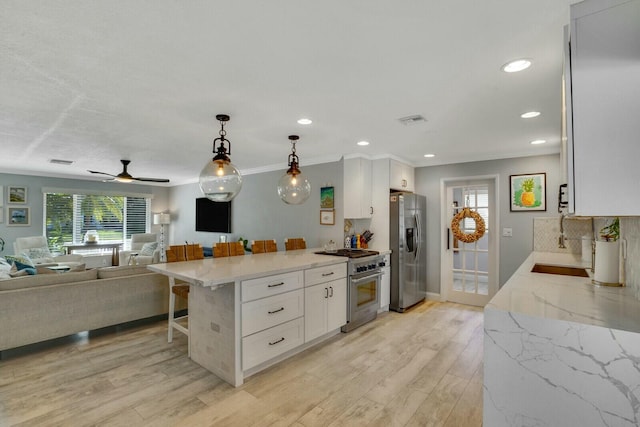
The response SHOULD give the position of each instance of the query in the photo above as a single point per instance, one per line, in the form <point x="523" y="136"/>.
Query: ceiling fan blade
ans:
<point x="151" y="179"/>
<point x="101" y="173"/>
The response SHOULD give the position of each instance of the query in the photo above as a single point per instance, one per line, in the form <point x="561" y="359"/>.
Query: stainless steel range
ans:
<point x="364" y="271"/>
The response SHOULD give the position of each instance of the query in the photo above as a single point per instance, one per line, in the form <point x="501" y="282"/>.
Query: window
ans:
<point x="69" y="216"/>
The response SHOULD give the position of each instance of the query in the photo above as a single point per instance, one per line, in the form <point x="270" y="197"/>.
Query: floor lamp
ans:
<point x="162" y="219"/>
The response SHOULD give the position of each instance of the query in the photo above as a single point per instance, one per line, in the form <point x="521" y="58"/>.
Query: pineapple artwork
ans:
<point x="528" y="197"/>
<point x="528" y="192"/>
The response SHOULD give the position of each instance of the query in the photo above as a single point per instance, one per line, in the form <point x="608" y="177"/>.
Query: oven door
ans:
<point x="363" y="300"/>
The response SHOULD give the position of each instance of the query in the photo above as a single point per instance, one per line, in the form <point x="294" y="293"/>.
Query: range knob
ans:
<point x="372" y="266"/>
<point x="382" y="264"/>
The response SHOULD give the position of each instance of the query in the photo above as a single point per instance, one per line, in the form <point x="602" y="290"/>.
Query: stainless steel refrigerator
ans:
<point x="408" y="214"/>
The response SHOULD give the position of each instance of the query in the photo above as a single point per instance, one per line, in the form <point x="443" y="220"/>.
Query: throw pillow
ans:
<point x="148" y="249"/>
<point x="19" y="269"/>
<point x="5" y="268"/>
<point x="79" y="267"/>
<point x="23" y="259"/>
<point x="39" y="255"/>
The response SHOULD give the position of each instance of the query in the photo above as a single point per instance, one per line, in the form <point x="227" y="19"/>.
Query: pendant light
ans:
<point x="220" y="181"/>
<point x="294" y="188"/>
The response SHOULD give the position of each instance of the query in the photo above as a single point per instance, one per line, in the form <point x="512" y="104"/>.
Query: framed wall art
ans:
<point x="328" y="217"/>
<point x="18" y="216"/>
<point x="326" y="198"/>
<point x="17" y="194"/>
<point x="528" y="192"/>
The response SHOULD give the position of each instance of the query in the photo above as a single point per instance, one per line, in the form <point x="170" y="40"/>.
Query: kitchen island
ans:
<point x="248" y="312"/>
<point x="559" y="351"/>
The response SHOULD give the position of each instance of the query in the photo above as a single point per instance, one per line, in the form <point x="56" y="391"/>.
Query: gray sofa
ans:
<point x="42" y="307"/>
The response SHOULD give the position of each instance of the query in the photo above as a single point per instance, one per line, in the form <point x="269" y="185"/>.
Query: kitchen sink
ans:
<point x="559" y="269"/>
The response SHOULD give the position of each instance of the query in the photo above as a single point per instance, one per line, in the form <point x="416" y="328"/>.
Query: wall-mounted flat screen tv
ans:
<point x="213" y="216"/>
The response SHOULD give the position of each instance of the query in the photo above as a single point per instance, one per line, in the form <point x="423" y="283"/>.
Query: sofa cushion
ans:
<point x="148" y="249"/>
<point x="47" y="279"/>
<point x="123" y="270"/>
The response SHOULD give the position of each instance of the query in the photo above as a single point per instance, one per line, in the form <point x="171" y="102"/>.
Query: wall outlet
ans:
<point x="507" y="232"/>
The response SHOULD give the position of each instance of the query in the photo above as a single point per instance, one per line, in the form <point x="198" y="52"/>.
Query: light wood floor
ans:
<point x="420" y="368"/>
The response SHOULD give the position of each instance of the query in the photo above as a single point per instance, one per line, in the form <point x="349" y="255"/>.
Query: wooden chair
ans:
<point x="295" y="243"/>
<point x="228" y="249"/>
<point x="263" y="246"/>
<point x="176" y="253"/>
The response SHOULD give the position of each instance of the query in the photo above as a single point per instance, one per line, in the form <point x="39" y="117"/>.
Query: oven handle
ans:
<point x="367" y="277"/>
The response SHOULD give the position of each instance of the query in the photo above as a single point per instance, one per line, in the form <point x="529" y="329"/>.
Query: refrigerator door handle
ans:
<point x="417" y="236"/>
<point x="448" y="238"/>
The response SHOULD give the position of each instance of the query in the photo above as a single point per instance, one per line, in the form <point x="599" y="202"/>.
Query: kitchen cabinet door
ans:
<point x="325" y="308"/>
<point x="315" y="311"/>
<point x="357" y="188"/>
<point x="337" y="304"/>
<point x="605" y="92"/>
<point x="401" y="176"/>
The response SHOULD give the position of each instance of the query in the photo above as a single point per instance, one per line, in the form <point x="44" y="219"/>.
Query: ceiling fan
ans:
<point x="125" y="177"/>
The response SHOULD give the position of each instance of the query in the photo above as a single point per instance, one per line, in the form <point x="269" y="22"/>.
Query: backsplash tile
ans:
<point x="546" y="232"/>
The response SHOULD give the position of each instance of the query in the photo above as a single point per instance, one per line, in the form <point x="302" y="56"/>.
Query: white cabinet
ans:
<point x="385" y="285"/>
<point x="401" y="176"/>
<point x="325" y="307"/>
<point x="272" y="316"/>
<point x="604" y="104"/>
<point x="357" y="188"/>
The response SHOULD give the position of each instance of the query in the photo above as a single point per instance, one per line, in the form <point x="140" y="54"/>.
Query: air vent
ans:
<point x="61" y="162"/>
<point x="412" y="120"/>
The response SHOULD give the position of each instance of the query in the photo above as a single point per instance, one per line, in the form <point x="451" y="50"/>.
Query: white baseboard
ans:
<point x="433" y="296"/>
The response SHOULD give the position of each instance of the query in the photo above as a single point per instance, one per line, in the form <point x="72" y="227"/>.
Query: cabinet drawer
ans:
<point x="265" y="345"/>
<point x="271" y="285"/>
<point x="267" y="312"/>
<point x="313" y="276"/>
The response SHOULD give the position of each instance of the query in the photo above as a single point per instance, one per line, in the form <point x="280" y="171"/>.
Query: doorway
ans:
<point x="469" y="271"/>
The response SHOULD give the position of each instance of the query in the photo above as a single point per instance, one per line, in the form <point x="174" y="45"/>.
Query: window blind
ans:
<point x="69" y="216"/>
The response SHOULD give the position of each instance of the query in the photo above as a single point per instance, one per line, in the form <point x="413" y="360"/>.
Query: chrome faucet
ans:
<point x="561" y="239"/>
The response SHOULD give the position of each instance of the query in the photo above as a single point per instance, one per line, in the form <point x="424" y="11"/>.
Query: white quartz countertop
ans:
<point x="567" y="298"/>
<point x="210" y="272"/>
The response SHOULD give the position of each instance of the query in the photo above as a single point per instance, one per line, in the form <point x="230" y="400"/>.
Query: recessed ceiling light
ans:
<point x="429" y="155"/>
<point x="538" y="141"/>
<point x="530" y="114"/>
<point x="517" y="65"/>
<point x="304" y="121"/>
<point x="363" y="143"/>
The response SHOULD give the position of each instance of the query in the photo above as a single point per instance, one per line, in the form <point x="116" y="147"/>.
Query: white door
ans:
<point x="470" y="270"/>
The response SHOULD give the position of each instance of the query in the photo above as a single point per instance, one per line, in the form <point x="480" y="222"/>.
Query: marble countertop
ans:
<point x="567" y="298"/>
<point x="210" y="272"/>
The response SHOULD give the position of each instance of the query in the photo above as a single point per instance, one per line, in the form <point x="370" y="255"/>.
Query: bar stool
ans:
<point x="295" y="243"/>
<point x="263" y="246"/>
<point x="228" y="249"/>
<point x="174" y="254"/>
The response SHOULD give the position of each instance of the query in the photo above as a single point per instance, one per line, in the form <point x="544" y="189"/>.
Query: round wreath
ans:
<point x="470" y="237"/>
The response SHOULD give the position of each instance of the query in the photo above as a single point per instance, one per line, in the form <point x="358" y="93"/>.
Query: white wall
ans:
<point x="513" y="250"/>
<point x="258" y="213"/>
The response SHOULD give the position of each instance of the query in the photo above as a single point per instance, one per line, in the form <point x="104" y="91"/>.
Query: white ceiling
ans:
<point x="99" y="81"/>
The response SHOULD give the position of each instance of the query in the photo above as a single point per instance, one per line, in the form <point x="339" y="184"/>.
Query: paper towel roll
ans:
<point x="607" y="265"/>
<point x="586" y="248"/>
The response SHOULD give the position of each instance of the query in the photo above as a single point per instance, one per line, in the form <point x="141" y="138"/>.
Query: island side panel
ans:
<point x="550" y="373"/>
<point x="213" y="327"/>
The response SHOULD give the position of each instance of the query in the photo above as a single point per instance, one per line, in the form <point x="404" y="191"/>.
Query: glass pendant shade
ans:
<point x="294" y="188"/>
<point x="220" y="181"/>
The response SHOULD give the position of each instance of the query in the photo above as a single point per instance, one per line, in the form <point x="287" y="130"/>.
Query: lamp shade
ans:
<point x="161" y="218"/>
